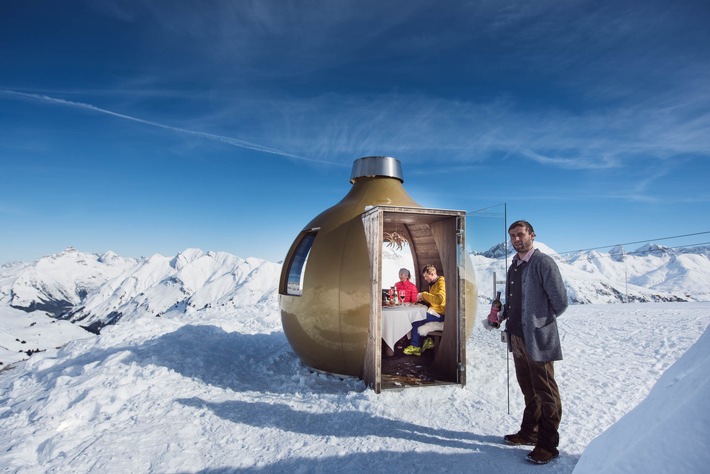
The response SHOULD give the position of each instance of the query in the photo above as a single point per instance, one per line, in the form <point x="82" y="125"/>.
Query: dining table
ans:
<point x="397" y="321"/>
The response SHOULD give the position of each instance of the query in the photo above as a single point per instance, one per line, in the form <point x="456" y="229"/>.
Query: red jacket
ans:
<point x="410" y="290"/>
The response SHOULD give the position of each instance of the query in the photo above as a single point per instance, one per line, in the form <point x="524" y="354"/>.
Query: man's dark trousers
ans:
<point x="543" y="407"/>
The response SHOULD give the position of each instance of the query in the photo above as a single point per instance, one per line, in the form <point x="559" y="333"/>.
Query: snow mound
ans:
<point x="668" y="431"/>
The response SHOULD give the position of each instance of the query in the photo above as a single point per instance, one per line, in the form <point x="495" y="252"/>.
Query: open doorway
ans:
<point x="398" y="369"/>
<point x="434" y="237"/>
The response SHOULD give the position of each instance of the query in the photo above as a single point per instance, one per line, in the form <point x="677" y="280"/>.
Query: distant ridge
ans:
<point x="95" y="290"/>
<point x="649" y="273"/>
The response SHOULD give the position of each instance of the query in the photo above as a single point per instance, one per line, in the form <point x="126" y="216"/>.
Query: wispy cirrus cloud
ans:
<point x="436" y="129"/>
<point x="599" y="100"/>
<point x="209" y="136"/>
<point x="572" y="162"/>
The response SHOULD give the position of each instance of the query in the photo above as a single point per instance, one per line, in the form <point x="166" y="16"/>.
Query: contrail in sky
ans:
<point x="210" y="136"/>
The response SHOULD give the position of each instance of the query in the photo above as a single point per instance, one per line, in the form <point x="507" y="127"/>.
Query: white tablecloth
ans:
<point x="397" y="321"/>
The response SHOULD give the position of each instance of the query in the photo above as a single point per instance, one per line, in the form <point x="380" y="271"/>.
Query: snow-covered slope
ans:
<point x="220" y="391"/>
<point x="98" y="290"/>
<point x="668" y="431"/>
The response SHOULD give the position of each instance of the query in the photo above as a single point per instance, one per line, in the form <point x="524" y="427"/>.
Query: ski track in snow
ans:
<point x="214" y="392"/>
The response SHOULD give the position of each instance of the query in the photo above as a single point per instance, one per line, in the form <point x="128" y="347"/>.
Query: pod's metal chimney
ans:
<point x="377" y="166"/>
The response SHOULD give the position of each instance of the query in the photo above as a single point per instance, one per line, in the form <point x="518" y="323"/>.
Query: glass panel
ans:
<point x="487" y="246"/>
<point x="297" y="265"/>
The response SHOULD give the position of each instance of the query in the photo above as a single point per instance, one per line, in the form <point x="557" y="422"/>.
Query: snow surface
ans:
<point x="191" y="380"/>
<point x="668" y="431"/>
<point x="218" y="390"/>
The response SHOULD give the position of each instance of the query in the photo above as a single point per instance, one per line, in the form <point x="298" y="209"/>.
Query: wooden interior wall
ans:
<point x="444" y="235"/>
<point x="424" y="250"/>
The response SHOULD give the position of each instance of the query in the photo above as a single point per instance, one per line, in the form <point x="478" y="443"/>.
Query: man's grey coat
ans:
<point x="544" y="298"/>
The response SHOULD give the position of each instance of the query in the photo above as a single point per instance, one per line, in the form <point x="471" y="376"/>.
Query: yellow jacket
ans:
<point x="436" y="296"/>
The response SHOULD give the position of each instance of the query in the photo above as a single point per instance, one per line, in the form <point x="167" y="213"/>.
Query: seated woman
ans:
<point x="436" y="299"/>
<point x="409" y="288"/>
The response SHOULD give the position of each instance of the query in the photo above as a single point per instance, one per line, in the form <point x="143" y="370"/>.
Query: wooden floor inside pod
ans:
<point x="404" y="371"/>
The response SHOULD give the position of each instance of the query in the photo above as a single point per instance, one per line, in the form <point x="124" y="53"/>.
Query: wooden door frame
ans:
<point x="447" y="231"/>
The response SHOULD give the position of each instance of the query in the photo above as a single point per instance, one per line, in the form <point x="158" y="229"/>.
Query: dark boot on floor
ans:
<point x="541" y="455"/>
<point x="520" y="439"/>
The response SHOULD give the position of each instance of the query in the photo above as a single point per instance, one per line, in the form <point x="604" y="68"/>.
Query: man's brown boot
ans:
<point x="519" y="439"/>
<point x="541" y="455"/>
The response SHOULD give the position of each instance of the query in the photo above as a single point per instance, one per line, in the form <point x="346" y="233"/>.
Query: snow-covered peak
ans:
<point x="186" y="257"/>
<point x="617" y="253"/>
<point x="652" y="249"/>
<point x="58" y="282"/>
<point x="109" y="257"/>
<point x="498" y="251"/>
<point x="547" y="250"/>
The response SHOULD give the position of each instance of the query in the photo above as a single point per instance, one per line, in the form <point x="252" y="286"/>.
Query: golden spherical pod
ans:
<point x="325" y="302"/>
<point x="330" y="281"/>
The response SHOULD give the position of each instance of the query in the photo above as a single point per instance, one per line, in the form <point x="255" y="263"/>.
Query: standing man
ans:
<point x="535" y="296"/>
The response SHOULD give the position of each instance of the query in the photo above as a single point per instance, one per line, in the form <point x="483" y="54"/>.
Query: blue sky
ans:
<point x="148" y="127"/>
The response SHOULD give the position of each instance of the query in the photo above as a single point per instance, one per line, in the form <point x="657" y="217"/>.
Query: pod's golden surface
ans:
<point x="327" y="325"/>
<point x="325" y="315"/>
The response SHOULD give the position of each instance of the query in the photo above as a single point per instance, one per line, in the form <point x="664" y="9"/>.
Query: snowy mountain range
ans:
<point x="96" y="290"/>
<point x="651" y="273"/>
<point x="91" y="291"/>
